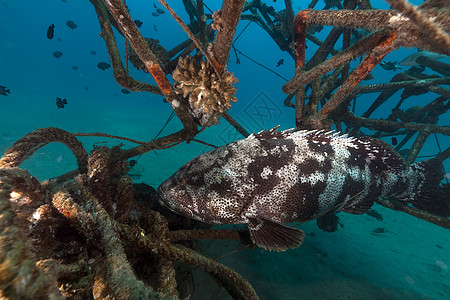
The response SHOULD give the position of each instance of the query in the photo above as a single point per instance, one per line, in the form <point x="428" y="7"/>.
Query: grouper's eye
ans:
<point x="181" y="181"/>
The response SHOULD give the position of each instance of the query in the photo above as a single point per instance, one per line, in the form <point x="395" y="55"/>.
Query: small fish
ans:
<point x="271" y="178"/>
<point x="132" y="163"/>
<point x="154" y="5"/>
<point x="280" y="62"/>
<point x="103" y="65"/>
<point x="4" y="91"/>
<point x="155" y="14"/>
<point x="394" y="141"/>
<point x="125" y="91"/>
<point x="75" y="68"/>
<point x="155" y="28"/>
<point x="57" y="54"/>
<point x="50" y="31"/>
<point x="71" y="24"/>
<point x="59" y="39"/>
<point x="60" y="102"/>
<point x="160" y="11"/>
<point x="92" y="52"/>
<point x="390" y="65"/>
<point x="138" y="23"/>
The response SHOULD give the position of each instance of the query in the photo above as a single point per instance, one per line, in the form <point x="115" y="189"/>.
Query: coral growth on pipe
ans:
<point x="81" y="244"/>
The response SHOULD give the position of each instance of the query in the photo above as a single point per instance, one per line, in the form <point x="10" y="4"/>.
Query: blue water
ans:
<point x="409" y="261"/>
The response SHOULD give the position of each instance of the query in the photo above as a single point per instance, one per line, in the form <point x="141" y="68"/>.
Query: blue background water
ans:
<point x="408" y="261"/>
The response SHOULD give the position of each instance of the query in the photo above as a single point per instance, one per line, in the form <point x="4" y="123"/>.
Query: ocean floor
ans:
<point x="408" y="261"/>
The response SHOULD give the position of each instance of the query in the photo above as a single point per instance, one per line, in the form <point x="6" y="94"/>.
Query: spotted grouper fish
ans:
<point x="271" y="178"/>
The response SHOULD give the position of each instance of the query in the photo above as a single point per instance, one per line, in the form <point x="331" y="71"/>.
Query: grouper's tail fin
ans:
<point x="425" y="178"/>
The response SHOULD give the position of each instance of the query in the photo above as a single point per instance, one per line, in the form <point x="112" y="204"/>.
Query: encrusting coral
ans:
<point x="95" y="235"/>
<point x="209" y="95"/>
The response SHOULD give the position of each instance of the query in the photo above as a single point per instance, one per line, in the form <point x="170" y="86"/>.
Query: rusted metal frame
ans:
<point x="180" y="47"/>
<point x="417" y="146"/>
<point x="430" y="107"/>
<point x="376" y="124"/>
<point x="438" y="66"/>
<point x="319" y="43"/>
<point x="132" y="34"/>
<point x="364" y="4"/>
<point x="389" y="20"/>
<point x="314" y="98"/>
<point x="332" y="82"/>
<point x="403" y="142"/>
<point x="386" y="94"/>
<point x="372" y="88"/>
<point x="282" y="44"/>
<point x="323" y="50"/>
<point x="346" y="40"/>
<point x="259" y="20"/>
<point x="313" y="3"/>
<point x="388" y="89"/>
<point x="357" y="49"/>
<point x="415" y="212"/>
<point x="419" y="117"/>
<point x="231" y="12"/>
<point x="370" y="19"/>
<point x="160" y="143"/>
<point x="197" y="43"/>
<point x="167" y="284"/>
<point x="319" y="57"/>
<point x="444" y="155"/>
<point x="120" y="75"/>
<point x="262" y="9"/>
<point x="236" y="125"/>
<point x="438" y="90"/>
<point x="210" y="59"/>
<point x="290" y="16"/>
<point x="300" y="47"/>
<point x="287" y="101"/>
<point x="431" y="31"/>
<point x="201" y="22"/>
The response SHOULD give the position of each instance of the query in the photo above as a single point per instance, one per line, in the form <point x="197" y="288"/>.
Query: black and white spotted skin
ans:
<point x="274" y="177"/>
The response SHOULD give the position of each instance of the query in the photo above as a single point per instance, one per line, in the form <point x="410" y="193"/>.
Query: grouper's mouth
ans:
<point x="161" y="196"/>
<point x="166" y="201"/>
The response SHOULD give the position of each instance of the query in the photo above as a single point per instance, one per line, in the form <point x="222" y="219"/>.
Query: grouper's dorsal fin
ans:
<point x="272" y="133"/>
<point x="321" y="135"/>
<point x="382" y="154"/>
<point x="316" y="135"/>
<point x="378" y="153"/>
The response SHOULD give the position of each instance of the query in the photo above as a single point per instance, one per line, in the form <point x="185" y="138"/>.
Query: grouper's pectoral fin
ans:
<point x="274" y="236"/>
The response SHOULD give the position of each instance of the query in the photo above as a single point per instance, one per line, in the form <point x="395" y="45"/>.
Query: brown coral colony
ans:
<point x="208" y="94"/>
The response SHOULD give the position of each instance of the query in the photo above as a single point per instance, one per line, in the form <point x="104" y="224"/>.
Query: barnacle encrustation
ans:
<point x="209" y="96"/>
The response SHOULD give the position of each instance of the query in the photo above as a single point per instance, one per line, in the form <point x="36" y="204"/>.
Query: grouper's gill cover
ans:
<point x="274" y="177"/>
